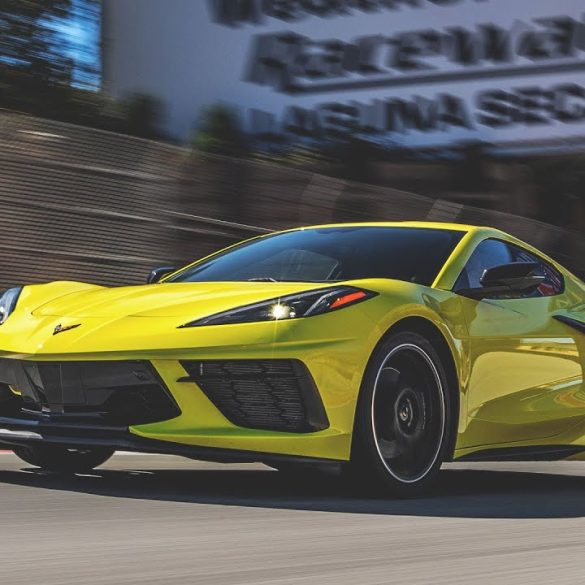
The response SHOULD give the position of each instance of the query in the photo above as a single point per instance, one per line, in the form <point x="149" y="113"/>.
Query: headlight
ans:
<point x="8" y="302"/>
<point x="289" y="307"/>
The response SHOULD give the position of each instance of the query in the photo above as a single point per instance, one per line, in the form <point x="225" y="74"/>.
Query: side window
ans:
<point x="490" y="253"/>
<point x="553" y="284"/>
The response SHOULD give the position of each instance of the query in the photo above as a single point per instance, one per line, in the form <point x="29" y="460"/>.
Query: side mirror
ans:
<point x="158" y="273"/>
<point x="506" y="279"/>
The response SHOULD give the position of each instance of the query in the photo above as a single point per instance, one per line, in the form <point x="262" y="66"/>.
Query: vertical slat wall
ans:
<point x="82" y="204"/>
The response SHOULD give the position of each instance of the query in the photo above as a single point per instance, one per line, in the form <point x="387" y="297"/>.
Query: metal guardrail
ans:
<point x="84" y="204"/>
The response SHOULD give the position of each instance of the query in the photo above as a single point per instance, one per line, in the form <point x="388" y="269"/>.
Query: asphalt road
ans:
<point x="162" y="520"/>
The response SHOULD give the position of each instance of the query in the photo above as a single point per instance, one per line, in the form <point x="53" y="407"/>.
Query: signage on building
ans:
<point x="414" y="72"/>
<point x="465" y="73"/>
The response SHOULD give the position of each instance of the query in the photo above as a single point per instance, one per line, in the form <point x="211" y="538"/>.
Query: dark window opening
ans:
<point x="491" y="253"/>
<point x="332" y="254"/>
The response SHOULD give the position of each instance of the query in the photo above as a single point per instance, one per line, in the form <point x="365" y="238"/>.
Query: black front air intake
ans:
<point x="276" y="395"/>
<point x="122" y="393"/>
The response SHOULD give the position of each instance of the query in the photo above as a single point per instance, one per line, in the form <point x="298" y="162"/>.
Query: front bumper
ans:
<point x="123" y="392"/>
<point x="21" y="432"/>
<point x="220" y="410"/>
<point x="333" y="348"/>
<point x="268" y="394"/>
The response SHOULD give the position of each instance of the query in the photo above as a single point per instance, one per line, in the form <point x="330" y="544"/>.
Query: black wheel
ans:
<point x="403" y="419"/>
<point x="63" y="459"/>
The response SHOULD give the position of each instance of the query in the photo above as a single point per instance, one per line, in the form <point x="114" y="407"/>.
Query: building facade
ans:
<point x="419" y="73"/>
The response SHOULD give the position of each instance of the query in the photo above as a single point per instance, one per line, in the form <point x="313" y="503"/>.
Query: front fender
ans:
<point x="443" y="309"/>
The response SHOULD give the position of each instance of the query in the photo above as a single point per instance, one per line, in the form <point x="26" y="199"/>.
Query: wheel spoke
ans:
<point x="389" y="379"/>
<point x="389" y="449"/>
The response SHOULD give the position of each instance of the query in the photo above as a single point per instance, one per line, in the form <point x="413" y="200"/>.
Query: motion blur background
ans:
<point x="137" y="133"/>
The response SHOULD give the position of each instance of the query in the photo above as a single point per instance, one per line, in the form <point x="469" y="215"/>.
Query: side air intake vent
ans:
<point x="277" y="395"/>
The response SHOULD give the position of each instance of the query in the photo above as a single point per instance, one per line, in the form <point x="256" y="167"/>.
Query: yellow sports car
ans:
<point x="388" y="348"/>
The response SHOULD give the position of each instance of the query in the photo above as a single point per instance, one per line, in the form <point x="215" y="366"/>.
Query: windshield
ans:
<point x="330" y="255"/>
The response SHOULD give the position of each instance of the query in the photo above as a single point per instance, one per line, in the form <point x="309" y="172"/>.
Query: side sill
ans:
<point x="540" y="453"/>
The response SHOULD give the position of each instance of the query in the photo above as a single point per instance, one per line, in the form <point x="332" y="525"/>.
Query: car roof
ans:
<point x="407" y="224"/>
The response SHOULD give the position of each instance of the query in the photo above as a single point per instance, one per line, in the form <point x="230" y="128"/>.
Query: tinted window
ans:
<point x="332" y="254"/>
<point x="492" y="253"/>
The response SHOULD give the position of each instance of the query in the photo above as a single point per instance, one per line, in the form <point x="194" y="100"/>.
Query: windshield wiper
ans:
<point x="262" y="279"/>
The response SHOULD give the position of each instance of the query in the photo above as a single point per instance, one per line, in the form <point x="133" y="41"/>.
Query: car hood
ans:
<point x="189" y="300"/>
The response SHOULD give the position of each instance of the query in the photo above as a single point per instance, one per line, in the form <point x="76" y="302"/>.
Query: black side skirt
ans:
<point x="541" y="453"/>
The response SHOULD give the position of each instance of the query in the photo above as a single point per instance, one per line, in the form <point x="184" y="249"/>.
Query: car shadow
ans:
<point x="460" y="493"/>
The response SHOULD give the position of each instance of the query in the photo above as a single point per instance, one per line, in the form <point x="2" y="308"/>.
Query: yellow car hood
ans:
<point x="191" y="300"/>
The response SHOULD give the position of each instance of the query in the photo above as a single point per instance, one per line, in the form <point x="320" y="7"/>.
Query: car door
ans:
<point x="525" y="373"/>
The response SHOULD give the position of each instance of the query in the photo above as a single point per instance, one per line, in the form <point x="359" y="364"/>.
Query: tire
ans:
<point x="404" y="417"/>
<point x="62" y="459"/>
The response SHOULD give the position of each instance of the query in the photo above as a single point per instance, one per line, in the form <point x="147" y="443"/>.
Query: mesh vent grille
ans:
<point x="261" y="394"/>
<point x="113" y="392"/>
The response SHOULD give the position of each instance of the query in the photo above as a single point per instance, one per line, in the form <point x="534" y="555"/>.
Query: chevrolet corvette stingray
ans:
<point x="384" y="349"/>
